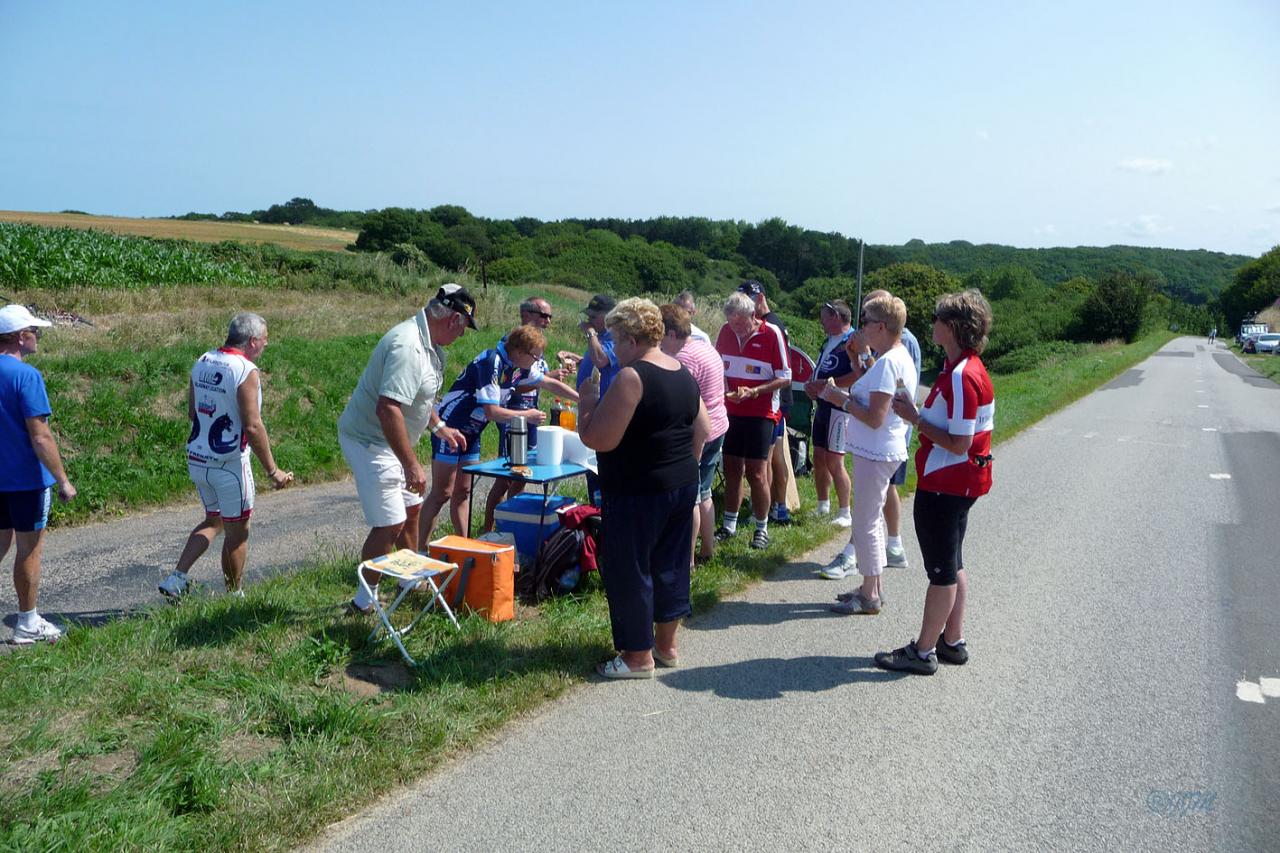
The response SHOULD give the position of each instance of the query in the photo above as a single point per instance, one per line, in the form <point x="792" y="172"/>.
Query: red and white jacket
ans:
<point x="962" y="402"/>
<point x="759" y="359"/>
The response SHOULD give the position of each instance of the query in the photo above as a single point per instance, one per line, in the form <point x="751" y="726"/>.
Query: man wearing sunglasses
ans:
<point x="30" y="466"/>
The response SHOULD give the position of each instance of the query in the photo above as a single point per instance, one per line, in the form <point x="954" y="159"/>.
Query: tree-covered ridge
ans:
<point x="668" y="252"/>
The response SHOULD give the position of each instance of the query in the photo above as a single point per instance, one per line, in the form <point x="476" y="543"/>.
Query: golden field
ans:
<point x="306" y="237"/>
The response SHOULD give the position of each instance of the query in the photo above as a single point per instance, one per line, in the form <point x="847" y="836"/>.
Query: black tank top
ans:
<point x="656" y="452"/>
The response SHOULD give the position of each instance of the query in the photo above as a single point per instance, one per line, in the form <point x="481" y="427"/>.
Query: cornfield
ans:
<point x="34" y="256"/>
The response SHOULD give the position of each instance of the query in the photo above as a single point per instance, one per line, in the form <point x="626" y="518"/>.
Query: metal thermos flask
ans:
<point x="518" y="441"/>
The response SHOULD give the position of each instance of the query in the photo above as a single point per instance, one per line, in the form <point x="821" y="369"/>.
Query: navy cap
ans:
<point x="455" y="296"/>
<point x="752" y="288"/>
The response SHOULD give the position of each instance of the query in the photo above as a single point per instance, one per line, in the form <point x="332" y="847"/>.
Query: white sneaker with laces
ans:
<point x="175" y="585"/>
<point x="41" y="631"/>
<point x="842" y="520"/>
<point x="896" y="558"/>
<point x="842" y="566"/>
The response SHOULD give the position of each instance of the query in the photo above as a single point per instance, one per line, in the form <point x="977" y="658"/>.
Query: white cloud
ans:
<point x="1143" y="225"/>
<point x="1203" y="143"/>
<point x="1049" y="230"/>
<point x="983" y="135"/>
<point x="1146" y="165"/>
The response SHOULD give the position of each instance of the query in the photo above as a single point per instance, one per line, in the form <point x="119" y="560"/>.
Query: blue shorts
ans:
<point x="707" y="467"/>
<point x="440" y="452"/>
<point x="25" y="512"/>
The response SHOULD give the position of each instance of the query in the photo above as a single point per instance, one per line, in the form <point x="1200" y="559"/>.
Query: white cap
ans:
<point x="15" y="317"/>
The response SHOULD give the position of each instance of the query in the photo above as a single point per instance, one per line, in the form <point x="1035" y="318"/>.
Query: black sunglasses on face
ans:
<point x="544" y="315"/>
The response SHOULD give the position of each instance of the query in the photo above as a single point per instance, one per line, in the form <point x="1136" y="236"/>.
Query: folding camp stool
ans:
<point x="411" y="569"/>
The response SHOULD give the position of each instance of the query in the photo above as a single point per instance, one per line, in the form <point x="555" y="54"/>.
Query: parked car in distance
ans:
<point x="1267" y="342"/>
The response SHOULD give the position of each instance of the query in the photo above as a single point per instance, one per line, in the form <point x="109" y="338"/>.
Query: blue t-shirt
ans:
<point x="587" y="365"/>
<point x="487" y="380"/>
<point x="833" y="361"/>
<point x="913" y="346"/>
<point x="22" y="396"/>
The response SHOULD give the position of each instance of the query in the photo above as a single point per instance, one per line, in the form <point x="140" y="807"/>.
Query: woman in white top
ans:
<point x="877" y="440"/>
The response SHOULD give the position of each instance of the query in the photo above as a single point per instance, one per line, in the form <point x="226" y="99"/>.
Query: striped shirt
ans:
<point x="761" y="358"/>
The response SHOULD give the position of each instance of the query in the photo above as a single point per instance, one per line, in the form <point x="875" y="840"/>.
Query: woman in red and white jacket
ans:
<point x="953" y="469"/>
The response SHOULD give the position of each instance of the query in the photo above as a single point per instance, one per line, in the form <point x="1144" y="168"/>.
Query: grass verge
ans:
<point x="227" y="723"/>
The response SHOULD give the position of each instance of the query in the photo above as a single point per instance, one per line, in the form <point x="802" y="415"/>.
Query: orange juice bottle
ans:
<point x="569" y="418"/>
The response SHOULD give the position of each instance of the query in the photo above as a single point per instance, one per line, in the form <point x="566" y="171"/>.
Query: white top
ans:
<point x="698" y="334"/>
<point x="217" y="433"/>
<point x="889" y="443"/>
<point x="404" y="367"/>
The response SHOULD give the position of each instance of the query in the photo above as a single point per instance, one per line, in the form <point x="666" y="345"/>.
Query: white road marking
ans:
<point x="1089" y="435"/>
<point x="1198" y="391"/>
<point x="1038" y="428"/>
<point x="1122" y="439"/>
<point x="1064" y="432"/>
<point x="1270" y="687"/>
<point x="1203" y="406"/>
<point x="1208" y="429"/>
<point x="1219" y="476"/>
<point x="1247" y="691"/>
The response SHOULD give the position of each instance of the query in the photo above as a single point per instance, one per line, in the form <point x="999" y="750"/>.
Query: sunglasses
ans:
<point x="35" y="330"/>
<point x="544" y="315"/>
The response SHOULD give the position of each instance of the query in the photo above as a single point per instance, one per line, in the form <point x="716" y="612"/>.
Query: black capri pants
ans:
<point x="647" y="543"/>
<point x="941" y="521"/>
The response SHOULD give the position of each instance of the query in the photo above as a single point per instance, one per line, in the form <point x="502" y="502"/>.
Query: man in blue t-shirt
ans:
<point x="30" y="466"/>
<point x="599" y="353"/>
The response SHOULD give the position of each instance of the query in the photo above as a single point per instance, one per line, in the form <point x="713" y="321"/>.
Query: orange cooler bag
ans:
<point x="486" y="579"/>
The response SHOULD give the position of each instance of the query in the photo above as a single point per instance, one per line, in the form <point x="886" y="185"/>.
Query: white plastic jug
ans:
<point x="551" y="440"/>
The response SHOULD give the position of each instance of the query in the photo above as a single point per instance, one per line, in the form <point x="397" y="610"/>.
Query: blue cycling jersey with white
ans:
<point x="488" y="380"/>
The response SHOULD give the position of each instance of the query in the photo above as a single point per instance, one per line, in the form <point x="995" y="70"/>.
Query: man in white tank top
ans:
<point x="224" y="402"/>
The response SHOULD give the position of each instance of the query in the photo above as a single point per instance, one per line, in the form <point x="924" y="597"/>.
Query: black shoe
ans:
<point x="907" y="659"/>
<point x="760" y="539"/>
<point x="723" y="533"/>
<point x="957" y="655"/>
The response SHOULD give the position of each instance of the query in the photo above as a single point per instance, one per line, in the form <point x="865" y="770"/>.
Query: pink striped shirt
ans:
<point x="700" y="358"/>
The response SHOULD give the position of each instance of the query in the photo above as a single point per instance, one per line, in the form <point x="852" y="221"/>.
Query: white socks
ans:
<point x="824" y="507"/>
<point x="730" y="522"/>
<point x="893" y="543"/>
<point x="28" y="619"/>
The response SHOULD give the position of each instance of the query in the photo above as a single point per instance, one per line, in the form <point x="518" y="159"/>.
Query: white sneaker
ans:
<point x="896" y="558"/>
<point x="175" y="585"/>
<point x="842" y="520"/>
<point x="236" y="593"/>
<point x="841" y="567"/>
<point x="42" y="631"/>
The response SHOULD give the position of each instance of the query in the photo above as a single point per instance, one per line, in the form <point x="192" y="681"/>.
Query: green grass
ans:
<point x="227" y="724"/>
<point x="1268" y="364"/>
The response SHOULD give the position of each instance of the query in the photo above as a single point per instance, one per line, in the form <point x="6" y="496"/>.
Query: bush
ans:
<point x="1037" y="356"/>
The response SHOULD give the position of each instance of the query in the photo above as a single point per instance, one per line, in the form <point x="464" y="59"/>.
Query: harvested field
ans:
<point x="305" y="237"/>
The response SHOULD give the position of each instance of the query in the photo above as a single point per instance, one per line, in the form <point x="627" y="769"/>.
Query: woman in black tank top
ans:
<point x="648" y="433"/>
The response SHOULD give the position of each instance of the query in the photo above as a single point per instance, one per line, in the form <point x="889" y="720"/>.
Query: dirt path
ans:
<point x="99" y="571"/>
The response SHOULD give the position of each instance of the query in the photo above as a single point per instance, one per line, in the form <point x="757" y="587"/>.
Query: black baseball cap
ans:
<point x="601" y="303"/>
<point x="455" y="296"/>
<point x="752" y="288"/>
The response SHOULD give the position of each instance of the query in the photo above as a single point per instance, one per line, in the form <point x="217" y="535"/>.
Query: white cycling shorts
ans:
<point x="225" y="490"/>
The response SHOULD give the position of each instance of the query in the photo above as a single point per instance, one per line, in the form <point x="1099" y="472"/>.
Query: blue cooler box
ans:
<point x="519" y="517"/>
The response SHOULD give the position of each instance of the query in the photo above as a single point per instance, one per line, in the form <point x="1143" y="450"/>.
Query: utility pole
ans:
<point x="857" y="308"/>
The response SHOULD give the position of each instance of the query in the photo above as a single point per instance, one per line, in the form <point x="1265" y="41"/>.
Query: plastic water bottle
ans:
<point x="569" y="579"/>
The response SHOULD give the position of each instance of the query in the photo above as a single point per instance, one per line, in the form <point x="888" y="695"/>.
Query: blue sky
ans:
<point x="1031" y="124"/>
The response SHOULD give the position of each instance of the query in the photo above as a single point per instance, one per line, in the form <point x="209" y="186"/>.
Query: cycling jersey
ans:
<point x="217" y="430"/>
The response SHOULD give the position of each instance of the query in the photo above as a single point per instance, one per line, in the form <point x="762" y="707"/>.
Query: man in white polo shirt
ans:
<point x="392" y="406"/>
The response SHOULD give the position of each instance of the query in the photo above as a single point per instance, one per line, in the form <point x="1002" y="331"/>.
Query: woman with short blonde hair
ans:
<point x="648" y="433"/>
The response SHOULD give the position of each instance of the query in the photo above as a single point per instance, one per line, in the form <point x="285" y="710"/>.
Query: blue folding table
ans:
<point x="539" y="475"/>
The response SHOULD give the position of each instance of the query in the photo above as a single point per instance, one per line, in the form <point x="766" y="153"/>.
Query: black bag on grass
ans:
<point x="557" y="555"/>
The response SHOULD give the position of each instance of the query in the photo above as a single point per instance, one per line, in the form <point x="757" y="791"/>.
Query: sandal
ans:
<point x="662" y="660"/>
<point x="617" y="668"/>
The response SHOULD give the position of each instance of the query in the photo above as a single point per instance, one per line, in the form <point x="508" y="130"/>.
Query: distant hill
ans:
<point x="1193" y="276"/>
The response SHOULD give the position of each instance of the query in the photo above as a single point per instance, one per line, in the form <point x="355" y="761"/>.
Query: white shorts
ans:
<point x="380" y="482"/>
<point x="225" y="490"/>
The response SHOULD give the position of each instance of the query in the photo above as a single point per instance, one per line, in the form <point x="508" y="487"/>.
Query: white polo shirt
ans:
<point x="406" y="367"/>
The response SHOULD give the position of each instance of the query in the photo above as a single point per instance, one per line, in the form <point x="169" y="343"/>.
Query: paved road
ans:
<point x="1125" y="593"/>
